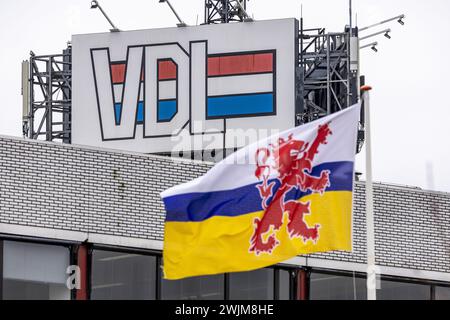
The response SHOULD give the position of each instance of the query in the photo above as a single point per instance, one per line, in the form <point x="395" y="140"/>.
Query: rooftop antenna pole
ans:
<point x="301" y="25"/>
<point x="96" y="5"/>
<point x="301" y="71"/>
<point x="350" y="12"/>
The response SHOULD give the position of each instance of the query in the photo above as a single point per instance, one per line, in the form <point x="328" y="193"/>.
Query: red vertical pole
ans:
<point x="82" y="260"/>
<point x="302" y="292"/>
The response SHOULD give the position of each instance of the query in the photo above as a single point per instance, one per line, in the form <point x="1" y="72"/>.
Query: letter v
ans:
<point x="101" y="64"/>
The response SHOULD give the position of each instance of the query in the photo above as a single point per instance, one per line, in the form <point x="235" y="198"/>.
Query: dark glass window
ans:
<point x="330" y="286"/>
<point x="396" y="290"/>
<point x="195" y="288"/>
<point x="442" y="293"/>
<point x="35" y="271"/>
<point x="284" y="284"/>
<point x="119" y="275"/>
<point x="253" y="285"/>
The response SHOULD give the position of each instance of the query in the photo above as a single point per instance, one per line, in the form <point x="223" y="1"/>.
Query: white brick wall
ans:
<point x="82" y="189"/>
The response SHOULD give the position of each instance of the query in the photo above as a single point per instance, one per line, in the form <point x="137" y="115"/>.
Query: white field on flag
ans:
<point x="238" y="169"/>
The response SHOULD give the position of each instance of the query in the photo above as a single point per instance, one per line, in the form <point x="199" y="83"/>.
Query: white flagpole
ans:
<point x="371" y="268"/>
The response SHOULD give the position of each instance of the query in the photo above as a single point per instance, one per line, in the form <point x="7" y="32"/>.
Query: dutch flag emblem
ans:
<point x="238" y="85"/>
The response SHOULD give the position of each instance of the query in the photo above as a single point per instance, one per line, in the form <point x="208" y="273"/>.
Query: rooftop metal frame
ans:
<point x="225" y="11"/>
<point x="328" y="75"/>
<point x="324" y="66"/>
<point x="50" y="97"/>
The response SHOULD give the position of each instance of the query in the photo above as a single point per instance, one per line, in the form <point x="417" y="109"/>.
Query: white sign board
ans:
<point x="192" y="88"/>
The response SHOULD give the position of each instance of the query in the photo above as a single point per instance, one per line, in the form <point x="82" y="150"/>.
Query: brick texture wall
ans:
<point x="113" y="193"/>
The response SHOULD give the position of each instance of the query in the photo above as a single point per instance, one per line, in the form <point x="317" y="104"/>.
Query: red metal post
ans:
<point x="82" y="260"/>
<point x="302" y="292"/>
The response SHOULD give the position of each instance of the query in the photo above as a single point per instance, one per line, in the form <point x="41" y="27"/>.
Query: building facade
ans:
<point x="73" y="214"/>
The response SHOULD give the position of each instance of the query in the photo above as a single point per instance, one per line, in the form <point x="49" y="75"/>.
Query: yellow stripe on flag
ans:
<point x="221" y="244"/>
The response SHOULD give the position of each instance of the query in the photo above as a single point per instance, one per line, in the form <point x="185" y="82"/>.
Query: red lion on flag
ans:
<point x="293" y="162"/>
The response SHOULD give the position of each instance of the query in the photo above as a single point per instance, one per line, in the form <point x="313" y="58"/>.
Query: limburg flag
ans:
<point x="287" y="195"/>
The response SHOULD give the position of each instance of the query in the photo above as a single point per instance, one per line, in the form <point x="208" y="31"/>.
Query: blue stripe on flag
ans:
<point x="197" y="207"/>
<point x="240" y="105"/>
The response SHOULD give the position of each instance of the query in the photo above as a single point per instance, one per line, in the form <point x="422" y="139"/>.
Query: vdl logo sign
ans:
<point x="184" y="89"/>
<point x="165" y="88"/>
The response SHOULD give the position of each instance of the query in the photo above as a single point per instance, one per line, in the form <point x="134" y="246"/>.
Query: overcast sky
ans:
<point x="410" y="73"/>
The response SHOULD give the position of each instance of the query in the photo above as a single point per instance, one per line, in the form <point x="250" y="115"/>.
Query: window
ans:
<point x="119" y="275"/>
<point x="442" y="293"/>
<point x="337" y="286"/>
<point x="284" y="284"/>
<point x="196" y="288"/>
<point x="35" y="271"/>
<point x="396" y="290"/>
<point x="253" y="285"/>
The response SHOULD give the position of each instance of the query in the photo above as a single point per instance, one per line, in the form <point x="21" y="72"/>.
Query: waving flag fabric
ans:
<point x="284" y="196"/>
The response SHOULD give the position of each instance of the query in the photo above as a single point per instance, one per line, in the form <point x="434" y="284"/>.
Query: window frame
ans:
<point x="144" y="252"/>
<point x="432" y="283"/>
<point x="433" y="289"/>
<point x="332" y="272"/>
<point x="69" y="245"/>
<point x="292" y="281"/>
